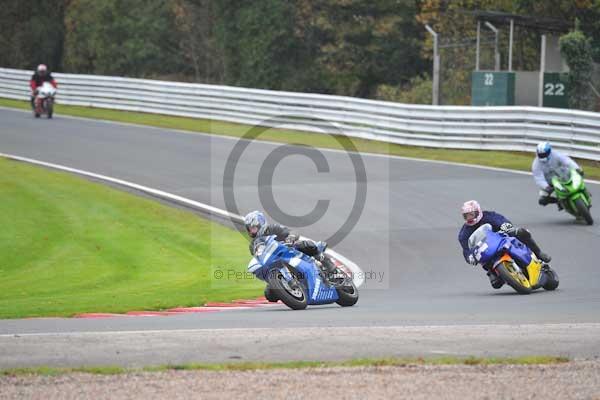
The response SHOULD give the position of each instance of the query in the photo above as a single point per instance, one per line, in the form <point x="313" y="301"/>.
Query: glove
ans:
<point x="508" y="228"/>
<point x="291" y="239"/>
<point x="472" y="260"/>
<point x="322" y="246"/>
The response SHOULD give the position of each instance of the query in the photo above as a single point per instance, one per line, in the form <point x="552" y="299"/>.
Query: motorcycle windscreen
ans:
<point x="265" y="253"/>
<point x="259" y="270"/>
<point x="563" y="173"/>
<point x="576" y="181"/>
<point x="266" y="250"/>
<point x="484" y="243"/>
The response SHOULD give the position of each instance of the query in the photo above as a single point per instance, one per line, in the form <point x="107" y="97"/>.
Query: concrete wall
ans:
<point x="554" y="60"/>
<point x="527" y="82"/>
<point x="526" y="88"/>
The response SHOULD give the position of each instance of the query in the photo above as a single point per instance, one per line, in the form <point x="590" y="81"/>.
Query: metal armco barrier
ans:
<point x="489" y="128"/>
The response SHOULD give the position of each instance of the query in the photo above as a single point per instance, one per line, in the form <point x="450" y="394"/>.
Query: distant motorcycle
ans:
<point x="511" y="260"/>
<point x="295" y="278"/>
<point x="572" y="195"/>
<point x="44" y="100"/>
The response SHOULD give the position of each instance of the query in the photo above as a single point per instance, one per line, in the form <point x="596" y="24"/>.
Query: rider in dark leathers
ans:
<point x="40" y="76"/>
<point x="257" y="226"/>
<point x="475" y="217"/>
<point x="283" y="234"/>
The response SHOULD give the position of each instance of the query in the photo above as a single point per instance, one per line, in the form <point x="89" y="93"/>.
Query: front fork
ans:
<point x="285" y="272"/>
<point x="38" y="103"/>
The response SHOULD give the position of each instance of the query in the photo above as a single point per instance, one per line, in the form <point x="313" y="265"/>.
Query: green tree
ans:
<point x="457" y="27"/>
<point x="576" y="48"/>
<point x="258" y="42"/>
<point x="586" y="11"/>
<point x="31" y="33"/>
<point x="345" y="47"/>
<point x="121" y="37"/>
<point x="195" y="22"/>
<point x="368" y="43"/>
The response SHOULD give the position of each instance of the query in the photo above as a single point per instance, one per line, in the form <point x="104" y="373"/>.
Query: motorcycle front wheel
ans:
<point x="292" y="293"/>
<point x="513" y="277"/>
<point x="584" y="211"/>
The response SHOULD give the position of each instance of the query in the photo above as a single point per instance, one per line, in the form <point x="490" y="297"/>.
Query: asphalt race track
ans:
<point x="405" y="241"/>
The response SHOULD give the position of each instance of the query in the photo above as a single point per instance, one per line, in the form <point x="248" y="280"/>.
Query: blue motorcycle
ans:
<point x="296" y="278"/>
<point x="511" y="260"/>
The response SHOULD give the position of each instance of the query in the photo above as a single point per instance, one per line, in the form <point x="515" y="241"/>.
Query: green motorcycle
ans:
<point x="573" y="196"/>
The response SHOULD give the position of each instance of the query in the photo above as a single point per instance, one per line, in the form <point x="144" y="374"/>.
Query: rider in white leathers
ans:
<point x="546" y="165"/>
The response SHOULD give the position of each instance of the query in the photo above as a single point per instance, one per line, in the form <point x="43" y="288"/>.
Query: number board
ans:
<point x="556" y="90"/>
<point x="491" y="88"/>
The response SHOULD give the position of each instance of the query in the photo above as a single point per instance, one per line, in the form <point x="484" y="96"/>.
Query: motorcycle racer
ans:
<point x="40" y="76"/>
<point x="474" y="217"/>
<point x="549" y="163"/>
<point x="257" y="226"/>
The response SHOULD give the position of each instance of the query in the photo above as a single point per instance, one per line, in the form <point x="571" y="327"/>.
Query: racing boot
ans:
<point x="328" y="265"/>
<point x="495" y="280"/>
<point x="525" y="236"/>
<point x="544" y="257"/>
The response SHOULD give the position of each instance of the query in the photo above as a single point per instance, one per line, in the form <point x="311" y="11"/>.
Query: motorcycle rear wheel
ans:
<point x="513" y="278"/>
<point x="348" y="295"/>
<point x="584" y="211"/>
<point x="293" y="297"/>
<point x="50" y="108"/>
<point x="553" y="280"/>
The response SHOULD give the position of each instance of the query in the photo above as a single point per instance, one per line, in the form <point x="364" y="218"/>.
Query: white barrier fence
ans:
<point x="493" y="128"/>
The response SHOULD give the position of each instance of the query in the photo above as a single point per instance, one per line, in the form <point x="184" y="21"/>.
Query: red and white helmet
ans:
<point x="471" y="212"/>
<point x="42" y="69"/>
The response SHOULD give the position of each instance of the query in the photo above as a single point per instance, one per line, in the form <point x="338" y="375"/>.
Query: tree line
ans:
<point x="364" y="48"/>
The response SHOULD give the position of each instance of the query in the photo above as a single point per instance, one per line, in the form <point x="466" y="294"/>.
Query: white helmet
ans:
<point x="42" y="69"/>
<point x="543" y="151"/>
<point x="471" y="212"/>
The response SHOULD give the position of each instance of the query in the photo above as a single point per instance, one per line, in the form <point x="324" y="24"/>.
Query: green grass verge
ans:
<point x="68" y="245"/>
<point x="502" y="159"/>
<point x="252" y="366"/>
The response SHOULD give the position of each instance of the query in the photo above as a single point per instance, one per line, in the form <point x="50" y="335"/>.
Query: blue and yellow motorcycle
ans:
<point x="511" y="260"/>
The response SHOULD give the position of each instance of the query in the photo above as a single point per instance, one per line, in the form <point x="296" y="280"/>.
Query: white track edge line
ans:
<point x="358" y="275"/>
<point x="562" y="325"/>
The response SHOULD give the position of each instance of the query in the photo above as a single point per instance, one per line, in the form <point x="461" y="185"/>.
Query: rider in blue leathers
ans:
<point x="474" y="217"/>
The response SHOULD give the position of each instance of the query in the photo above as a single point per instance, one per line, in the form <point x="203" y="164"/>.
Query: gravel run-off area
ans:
<point x="572" y="380"/>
